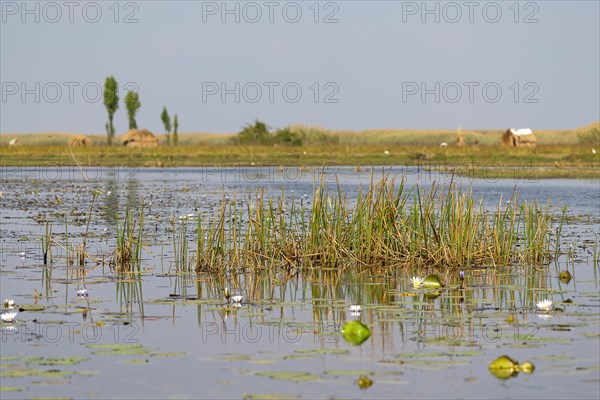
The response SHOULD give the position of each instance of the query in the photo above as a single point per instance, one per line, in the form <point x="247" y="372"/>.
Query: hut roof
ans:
<point x="139" y="138"/>
<point x="521" y="131"/>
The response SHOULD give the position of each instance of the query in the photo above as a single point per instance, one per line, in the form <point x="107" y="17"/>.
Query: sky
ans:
<point x="343" y="65"/>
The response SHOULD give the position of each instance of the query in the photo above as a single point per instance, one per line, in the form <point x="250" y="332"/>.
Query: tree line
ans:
<point x="132" y="104"/>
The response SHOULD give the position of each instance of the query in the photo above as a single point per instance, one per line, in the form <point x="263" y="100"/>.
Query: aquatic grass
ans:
<point x="47" y="243"/>
<point x="386" y="226"/>
<point x="127" y="256"/>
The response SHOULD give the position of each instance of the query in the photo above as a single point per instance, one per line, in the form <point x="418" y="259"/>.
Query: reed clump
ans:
<point x="387" y="226"/>
<point x="127" y="256"/>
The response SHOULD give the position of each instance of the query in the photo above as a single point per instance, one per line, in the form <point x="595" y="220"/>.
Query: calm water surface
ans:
<point x="177" y="338"/>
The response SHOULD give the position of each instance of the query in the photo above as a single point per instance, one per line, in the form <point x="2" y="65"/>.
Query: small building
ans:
<point x="139" y="138"/>
<point x="523" y="137"/>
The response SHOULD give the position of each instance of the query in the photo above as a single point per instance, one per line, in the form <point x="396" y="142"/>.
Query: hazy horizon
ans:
<point x="340" y="65"/>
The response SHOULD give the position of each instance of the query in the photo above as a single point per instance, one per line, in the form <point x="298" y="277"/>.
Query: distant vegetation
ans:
<point x="175" y="127"/>
<point x="111" y="102"/>
<point x="166" y="120"/>
<point x="589" y="134"/>
<point x="295" y="135"/>
<point x="132" y="103"/>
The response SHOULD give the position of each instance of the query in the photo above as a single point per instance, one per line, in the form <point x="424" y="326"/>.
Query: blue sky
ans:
<point x="340" y="65"/>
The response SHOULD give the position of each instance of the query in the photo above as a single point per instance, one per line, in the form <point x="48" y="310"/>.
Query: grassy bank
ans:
<point x="558" y="153"/>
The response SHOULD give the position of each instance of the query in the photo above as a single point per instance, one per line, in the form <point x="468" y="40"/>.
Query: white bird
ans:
<point x="593" y="151"/>
<point x="443" y="145"/>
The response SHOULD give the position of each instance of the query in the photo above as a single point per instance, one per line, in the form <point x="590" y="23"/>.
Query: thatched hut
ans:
<point x="519" y="138"/>
<point x="139" y="138"/>
<point x="78" y="141"/>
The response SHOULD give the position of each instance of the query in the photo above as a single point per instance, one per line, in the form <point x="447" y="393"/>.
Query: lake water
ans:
<point x="167" y="335"/>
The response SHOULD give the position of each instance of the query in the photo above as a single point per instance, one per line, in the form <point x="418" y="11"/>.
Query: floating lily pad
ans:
<point x="432" y="282"/>
<point x="233" y="357"/>
<point x="11" y="389"/>
<point x="119" y="349"/>
<point x="289" y="376"/>
<point x="52" y="373"/>
<point x="12" y="358"/>
<point x="270" y="397"/>
<point x="169" y="354"/>
<point x="565" y="276"/>
<point x="57" y="361"/>
<point x="364" y="382"/>
<point x="135" y="362"/>
<point x="432" y="295"/>
<point x="348" y="372"/>
<point x="31" y="307"/>
<point x="355" y="332"/>
<point x="504" y="367"/>
<point x="321" y="351"/>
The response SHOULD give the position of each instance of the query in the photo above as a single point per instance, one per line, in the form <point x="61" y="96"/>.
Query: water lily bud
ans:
<point x="565" y="276"/>
<point x="364" y="382"/>
<point x="527" y="367"/>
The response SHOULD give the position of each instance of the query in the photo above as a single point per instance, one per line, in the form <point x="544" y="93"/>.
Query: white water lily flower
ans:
<point x="237" y="299"/>
<point x="187" y="216"/>
<point x="355" y="309"/>
<point x="9" y="303"/>
<point x="9" y="316"/>
<point x="545" y="305"/>
<point x="82" y="293"/>
<point x="417" y="282"/>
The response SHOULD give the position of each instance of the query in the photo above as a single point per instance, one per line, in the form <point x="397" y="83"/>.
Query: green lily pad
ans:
<point x="432" y="282"/>
<point x="432" y="295"/>
<point x="233" y="357"/>
<point x="504" y="367"/>
<point x="270" y="397"/>
<point x="565" y="276"/>
<point x="364" y="382"/>
<point x="53" y="373"/>
<point x="136" y="362"/>
<point x="289" y="376"/>
<point x="11" y="389"/>
<point x="321" y="351"/>
<point x="355" y="332"/>
<point x="169" y="354"/>
<point x="57" y="361"/>
<point x="31" y="307"/>
<point x="119" y="349"/>
<point x="348" y="372"/>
